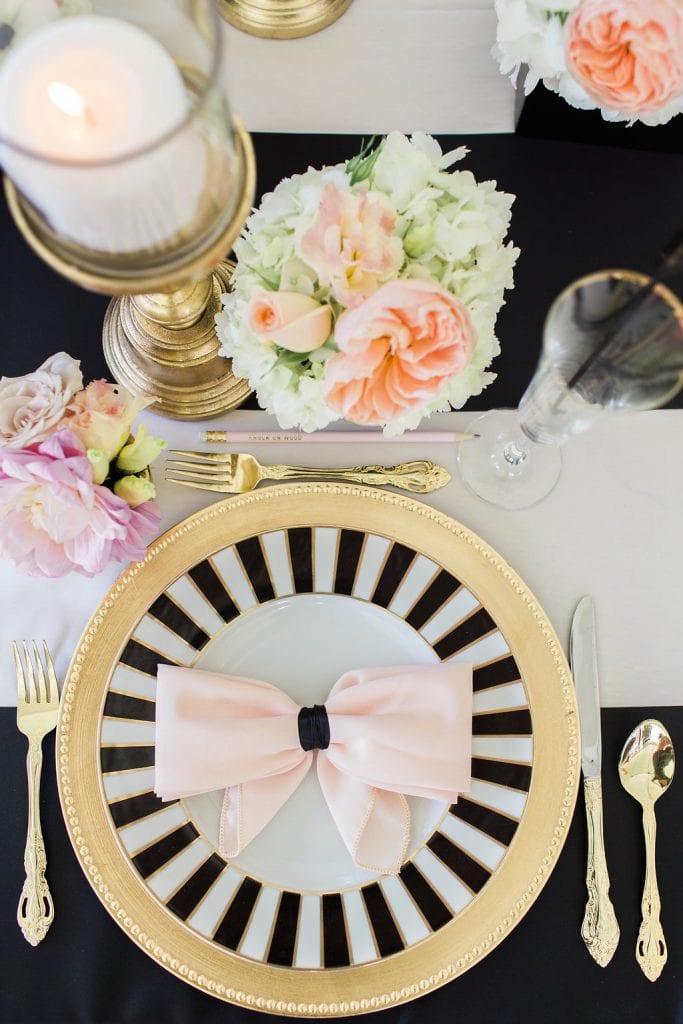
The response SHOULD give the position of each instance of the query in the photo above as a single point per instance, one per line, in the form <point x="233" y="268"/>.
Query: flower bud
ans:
<point x="100" y="465"/>
<point x="140" y="452"/>
<point x="135" y="490"/>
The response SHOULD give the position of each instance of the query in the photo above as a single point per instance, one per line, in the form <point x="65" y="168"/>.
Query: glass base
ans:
<point x="503" y="467"/>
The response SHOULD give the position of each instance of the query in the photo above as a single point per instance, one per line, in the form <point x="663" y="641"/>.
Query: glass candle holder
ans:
<point x="127" y="173"/>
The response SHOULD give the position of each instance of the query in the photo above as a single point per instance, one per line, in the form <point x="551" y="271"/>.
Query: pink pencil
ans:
<point x="333" y="437"/>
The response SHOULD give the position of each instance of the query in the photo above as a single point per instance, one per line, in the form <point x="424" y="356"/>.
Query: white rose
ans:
<point x="32" y="405"/>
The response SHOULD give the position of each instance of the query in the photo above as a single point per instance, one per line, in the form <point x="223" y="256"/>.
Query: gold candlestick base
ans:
<point x="282" y="19"/>
<point x="176" y="363"/>
<point x="159" y="335"/>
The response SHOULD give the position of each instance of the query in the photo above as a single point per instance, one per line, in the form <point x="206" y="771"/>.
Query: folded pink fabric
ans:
<point x="392" y="732"/>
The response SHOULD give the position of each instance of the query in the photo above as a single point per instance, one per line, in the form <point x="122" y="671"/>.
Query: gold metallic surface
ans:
<point x="600" y="930"/>
<point x="516" y="882"/>
<point x="646" y="768"/>
<point x="180" y="366"/>
<point x="282" y="19"/>
<point x="37" y="704"/>
<point x="237" y="474"/>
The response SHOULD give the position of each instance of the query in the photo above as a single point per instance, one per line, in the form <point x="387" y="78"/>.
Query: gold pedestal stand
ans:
<point x="151" y="352"/>
<point x="282" y="19"/>
<point x="159" y="335"/>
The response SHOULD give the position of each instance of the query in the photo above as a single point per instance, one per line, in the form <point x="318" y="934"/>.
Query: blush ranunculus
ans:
<point x="101" y="416"/>
<point x="627" y="54"/>
<point x="396" y="350"/>
<point x="31" y="406"/>
<point x="289" y="319"/>
<point x="55" y="520"/>
<point x="351" y="245"/>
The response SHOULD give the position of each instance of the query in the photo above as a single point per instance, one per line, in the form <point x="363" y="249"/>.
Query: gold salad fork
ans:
<point x="37" y="706"/>
<point x="236" y="474"/>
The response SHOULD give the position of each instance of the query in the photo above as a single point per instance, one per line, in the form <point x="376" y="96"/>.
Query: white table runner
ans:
<point x="385" y="64"/>
<point x="611" y="528"/>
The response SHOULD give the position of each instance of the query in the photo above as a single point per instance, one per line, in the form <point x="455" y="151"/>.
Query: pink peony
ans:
<point x="627" y="54"/>
<point x="397" y="349"/>
<point x="55" y="520"/>
<point x="101" y="416"/>
<point x="351" y="245"/>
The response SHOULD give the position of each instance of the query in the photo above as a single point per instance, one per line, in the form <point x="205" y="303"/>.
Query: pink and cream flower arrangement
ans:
<point x="74" y="488"/>
<point x="624" y="57"/>
<point x="369" y="290"/>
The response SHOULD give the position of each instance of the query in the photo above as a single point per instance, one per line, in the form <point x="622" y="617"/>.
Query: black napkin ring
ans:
<point x="314" y="728"/>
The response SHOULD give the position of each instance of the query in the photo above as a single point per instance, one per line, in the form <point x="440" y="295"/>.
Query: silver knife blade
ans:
<point x="585" y="671"/>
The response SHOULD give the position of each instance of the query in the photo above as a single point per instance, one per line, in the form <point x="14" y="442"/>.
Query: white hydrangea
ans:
<point x="452" y="230"/>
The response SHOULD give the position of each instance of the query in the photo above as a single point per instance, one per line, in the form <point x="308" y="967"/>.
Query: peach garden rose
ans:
<point x="627" y="54"/>
<point x="396" y="350"/>
<point x="624" y="57"/>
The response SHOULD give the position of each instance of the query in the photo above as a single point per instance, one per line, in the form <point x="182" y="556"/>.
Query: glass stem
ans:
<point x="514" y="453"/>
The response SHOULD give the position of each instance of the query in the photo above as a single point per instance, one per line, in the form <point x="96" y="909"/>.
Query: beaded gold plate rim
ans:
<point x="470" y="936"/>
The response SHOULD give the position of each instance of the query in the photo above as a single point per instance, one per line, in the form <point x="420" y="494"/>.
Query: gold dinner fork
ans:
<point x="236" y="474"/>
<point x="37" y="706"/>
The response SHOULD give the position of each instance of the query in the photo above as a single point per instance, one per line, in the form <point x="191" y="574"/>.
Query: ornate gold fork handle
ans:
<point x="651" y="952"/>
<point x="419" y="477"/>
<point x="36" y="909"/>
<point x="600" y="930"/>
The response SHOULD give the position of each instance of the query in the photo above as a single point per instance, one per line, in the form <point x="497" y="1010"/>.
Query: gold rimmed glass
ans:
<point x="612" y="342"/>
<point x="128" y="174"/>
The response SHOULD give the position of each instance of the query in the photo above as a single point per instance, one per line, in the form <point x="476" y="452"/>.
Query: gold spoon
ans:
<point x="646" y="768"/>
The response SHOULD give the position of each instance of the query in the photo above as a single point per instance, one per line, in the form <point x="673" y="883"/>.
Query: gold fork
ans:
<point x="37" y="706"/>
<point x="236" y="474"/>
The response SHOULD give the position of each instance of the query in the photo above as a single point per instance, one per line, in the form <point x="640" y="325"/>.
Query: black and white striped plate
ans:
<point x="298" y="599"/>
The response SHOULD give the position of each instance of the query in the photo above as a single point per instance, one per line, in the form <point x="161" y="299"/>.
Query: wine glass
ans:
<point x="612" y="342"/>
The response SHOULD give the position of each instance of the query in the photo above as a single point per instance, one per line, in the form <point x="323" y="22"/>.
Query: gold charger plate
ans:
<point x="246" y="932"/>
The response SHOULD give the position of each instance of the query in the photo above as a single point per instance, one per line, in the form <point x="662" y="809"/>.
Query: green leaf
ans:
<point x="295" y="362"/>
<point x="272" y="283"/>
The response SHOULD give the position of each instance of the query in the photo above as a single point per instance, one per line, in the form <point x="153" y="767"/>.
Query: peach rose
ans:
<point x="627" y="54"/>
<point x="289" y="319"/>
<point x="351" y="245"/>
<point x="101" y="416"/>
<point x="396" y="350"/>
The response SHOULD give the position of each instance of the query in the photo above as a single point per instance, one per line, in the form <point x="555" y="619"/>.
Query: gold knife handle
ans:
<point x="600" y="930"/>
<point x="36" y="910"/>
<point x="651" y="952"/>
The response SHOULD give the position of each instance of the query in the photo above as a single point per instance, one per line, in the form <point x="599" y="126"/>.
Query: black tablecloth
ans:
<point x="579" y="208"/>
<point x="88" y="972"/>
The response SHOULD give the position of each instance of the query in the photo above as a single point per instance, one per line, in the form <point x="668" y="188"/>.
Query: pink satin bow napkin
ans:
<point x="382" y="734"/>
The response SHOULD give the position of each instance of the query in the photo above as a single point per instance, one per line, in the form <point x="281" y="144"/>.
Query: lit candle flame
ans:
<point x="68" y="99"/>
